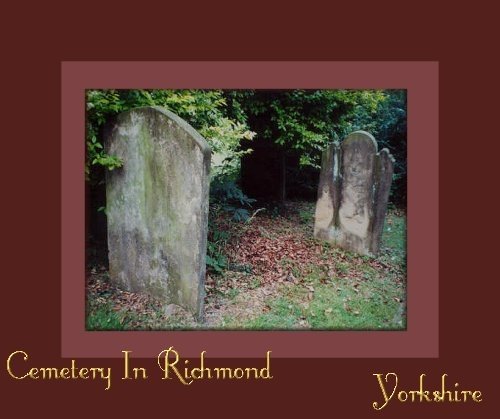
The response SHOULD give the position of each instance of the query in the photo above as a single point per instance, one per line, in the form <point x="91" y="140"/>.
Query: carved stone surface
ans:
<point x="353" y="192"/>
<point x="157" y="207"/>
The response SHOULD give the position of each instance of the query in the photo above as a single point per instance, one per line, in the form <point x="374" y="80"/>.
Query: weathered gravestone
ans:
<point x="157" y="207"/>
<point x="353" y="192"/>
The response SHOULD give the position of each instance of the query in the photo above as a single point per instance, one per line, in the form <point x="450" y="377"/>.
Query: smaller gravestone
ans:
<point x="157" y="207"/>
<point x="353" y="193"/>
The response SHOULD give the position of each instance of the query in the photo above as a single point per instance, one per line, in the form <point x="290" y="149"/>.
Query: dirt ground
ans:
<point x="276" y="276"/>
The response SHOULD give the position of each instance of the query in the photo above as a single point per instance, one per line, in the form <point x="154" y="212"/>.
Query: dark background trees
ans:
<point x="294" y="126"/>
<point x="268" y="141"/>
<point x="266" y="144"/>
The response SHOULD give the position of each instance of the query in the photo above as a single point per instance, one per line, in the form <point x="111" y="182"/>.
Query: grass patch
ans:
<point x="394" y="239"/>
<point x="364" y="294"/>
<point x="368" y="304"/>
<point x="103" y="317"/>
<point x="284" y="313"/>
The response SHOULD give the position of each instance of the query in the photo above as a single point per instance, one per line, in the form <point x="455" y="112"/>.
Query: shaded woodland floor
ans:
<point x="270" y="273"/>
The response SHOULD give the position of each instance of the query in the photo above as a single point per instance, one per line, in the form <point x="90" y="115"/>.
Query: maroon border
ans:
<point x="419" y="78"/>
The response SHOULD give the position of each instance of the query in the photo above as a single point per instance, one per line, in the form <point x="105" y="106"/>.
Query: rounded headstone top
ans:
<point x="181" y="123"/>
<point x="361" y="136"/>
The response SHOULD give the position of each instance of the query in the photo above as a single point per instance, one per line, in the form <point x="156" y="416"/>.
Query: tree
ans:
<point x="294" y="122"/>
<point x="205" y="110"/>
<point x="303" y="122"/>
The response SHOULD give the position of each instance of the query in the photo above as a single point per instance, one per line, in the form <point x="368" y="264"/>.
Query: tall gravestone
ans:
<point x="353" y="192"/>
<point x="157" y="207"/>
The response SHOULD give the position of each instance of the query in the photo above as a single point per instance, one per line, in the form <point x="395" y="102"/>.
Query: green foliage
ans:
<point x="225" y="197"/>
<point x="228" y="196"/>
<point x="215" y="260"/>
<point x="306" y="217"/>
<point x="103" y="317"/>
<point x="391" y="133"/>
<point x="217" y="239"/>
<point x="302" y="121"/>
<point x="394" y="240"/>
<point x="205" y="110"/>
<point x="307" y="120"/>
<point x="100" y="105"/>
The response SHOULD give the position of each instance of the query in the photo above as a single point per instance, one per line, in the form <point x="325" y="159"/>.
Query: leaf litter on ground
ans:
<point x="271" y="255"/>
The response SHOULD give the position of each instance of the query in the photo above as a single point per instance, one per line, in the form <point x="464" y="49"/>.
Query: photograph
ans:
<point x="247" y="209"/>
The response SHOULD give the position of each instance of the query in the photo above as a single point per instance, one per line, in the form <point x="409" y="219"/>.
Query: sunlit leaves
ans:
<point x="205" y="110"/>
